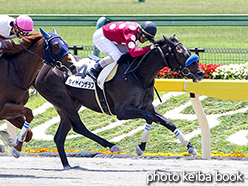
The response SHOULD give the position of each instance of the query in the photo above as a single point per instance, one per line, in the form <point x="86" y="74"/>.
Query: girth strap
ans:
<point x="101" y="100"/>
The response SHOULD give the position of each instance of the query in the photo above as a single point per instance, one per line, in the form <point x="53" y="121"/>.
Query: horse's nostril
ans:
<point x="200" y="73"/>
<point x="72" y="67"/>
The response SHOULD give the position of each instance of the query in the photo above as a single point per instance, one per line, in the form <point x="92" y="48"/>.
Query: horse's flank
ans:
<point x="12" y="48"/>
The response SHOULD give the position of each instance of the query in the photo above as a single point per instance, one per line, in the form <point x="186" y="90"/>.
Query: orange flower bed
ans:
<point x="213" y="153"/>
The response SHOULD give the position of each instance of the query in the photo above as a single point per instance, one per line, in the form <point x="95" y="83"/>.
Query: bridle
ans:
<point x="184" y="70"/>
<point x="55" y="60"/>
<point x="55" y="63"/>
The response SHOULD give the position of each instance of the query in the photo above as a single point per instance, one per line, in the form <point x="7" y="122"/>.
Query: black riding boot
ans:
<point x="94" y="71"/>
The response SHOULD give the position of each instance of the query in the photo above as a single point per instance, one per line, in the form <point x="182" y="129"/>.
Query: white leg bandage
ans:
<point x="179" y="135"/>
<point x="23" y="133"/>
<point x="145" y="135"/>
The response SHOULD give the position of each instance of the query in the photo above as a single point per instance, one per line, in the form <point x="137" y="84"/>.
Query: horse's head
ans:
<point x="57" y="52"/>
<point x="179" y="59"/>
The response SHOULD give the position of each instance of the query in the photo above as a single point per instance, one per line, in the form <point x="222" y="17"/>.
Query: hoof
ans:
<point x="15" y="153"/>
<point x="115" y="148"/>
<point x="6" y="136"/>
<point x="67" y="167"/>
<point x="192" y="150"/>
<point x="139" y="151"/>
<point x="2" y="148"/>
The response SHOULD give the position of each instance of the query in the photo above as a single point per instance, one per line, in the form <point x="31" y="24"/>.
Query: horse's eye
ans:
<point x="56" y="48"/>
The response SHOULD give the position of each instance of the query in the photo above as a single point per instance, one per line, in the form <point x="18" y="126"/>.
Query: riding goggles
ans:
<point x="145" y="37"/>
<point x="22" y="33"/>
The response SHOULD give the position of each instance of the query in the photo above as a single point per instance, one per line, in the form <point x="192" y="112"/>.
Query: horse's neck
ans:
<point x="149" y="68"/>
<point x="27" y="65"/>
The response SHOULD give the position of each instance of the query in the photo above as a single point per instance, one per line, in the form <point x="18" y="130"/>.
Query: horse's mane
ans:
<point x="12" y="48"/>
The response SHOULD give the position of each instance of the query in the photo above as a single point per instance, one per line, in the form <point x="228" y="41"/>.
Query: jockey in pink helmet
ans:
<point x="23" y="25"/>
<point x="11" y="28"/>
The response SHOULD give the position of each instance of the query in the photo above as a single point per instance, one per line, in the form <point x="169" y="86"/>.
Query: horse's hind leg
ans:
<point x="80" y="128"/>
<point x="65" y="126"/>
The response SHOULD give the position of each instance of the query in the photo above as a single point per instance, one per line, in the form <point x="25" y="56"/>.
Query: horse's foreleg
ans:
<point x="144" y="139"/>
<point x="2" y="148"/>
<point x="20" y="117"/>
<point x="59" y="139"/>
<point x="160" y="119"/>
<point x="15" y="114"/>
<point x="131" y="112"/>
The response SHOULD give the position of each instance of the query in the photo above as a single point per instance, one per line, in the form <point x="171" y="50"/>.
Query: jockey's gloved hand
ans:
<point x="153" y="46"/>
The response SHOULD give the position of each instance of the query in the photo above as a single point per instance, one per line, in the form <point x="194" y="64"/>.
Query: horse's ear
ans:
<point x="167" y="40"/>
<point x="46" y="35"/>
<point x="175" y="36"/>
<point x="54" y="31"/>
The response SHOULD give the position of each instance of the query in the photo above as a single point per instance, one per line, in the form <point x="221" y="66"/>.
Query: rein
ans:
<point x="137" y="79"/>
<point x="132" y="70"/>
<point x="182" y="69"/>
<point x="43" y="60"/>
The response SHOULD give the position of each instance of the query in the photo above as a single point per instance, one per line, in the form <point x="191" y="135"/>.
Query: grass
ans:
<point x="124" y="7"/>
<point x="160" y="139"/>
<point x="217" y="106"/>
<point x="35" y="100"/>
<point x="190" y="36"/>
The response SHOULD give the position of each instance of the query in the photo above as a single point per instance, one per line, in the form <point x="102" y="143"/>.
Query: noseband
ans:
<point x="184" y="70"/>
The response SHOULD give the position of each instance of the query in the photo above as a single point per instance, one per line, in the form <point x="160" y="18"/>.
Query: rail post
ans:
<point x="12" y="131"/>
<point x="205" y="132"/>
<point x="197" y="50"/>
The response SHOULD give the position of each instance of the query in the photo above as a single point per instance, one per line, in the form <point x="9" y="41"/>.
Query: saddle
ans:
<point x="107" y="73"/>
<point x="81" y="80"/>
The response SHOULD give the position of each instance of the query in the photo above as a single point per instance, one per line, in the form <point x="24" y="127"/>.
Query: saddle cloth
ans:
<point x="81" y="80"/>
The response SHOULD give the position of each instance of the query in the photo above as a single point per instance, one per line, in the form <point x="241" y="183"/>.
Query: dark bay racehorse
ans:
<point x="19" y="67"/>
<point x="129" y="94"/>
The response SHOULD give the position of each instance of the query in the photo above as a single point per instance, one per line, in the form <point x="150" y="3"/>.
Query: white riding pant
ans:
<point x="113" y="50"/>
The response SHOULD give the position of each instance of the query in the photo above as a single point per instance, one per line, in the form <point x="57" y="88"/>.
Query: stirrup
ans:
<point x="90" y="74"/>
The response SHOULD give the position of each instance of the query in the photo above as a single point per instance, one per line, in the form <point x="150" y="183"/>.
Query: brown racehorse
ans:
<point x="19" y="67"/>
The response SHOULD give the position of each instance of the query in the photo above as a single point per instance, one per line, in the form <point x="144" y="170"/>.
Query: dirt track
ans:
<point x="48" y="171"/>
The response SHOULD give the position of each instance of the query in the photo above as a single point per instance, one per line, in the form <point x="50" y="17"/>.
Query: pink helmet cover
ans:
<point x="24" y="23"/>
